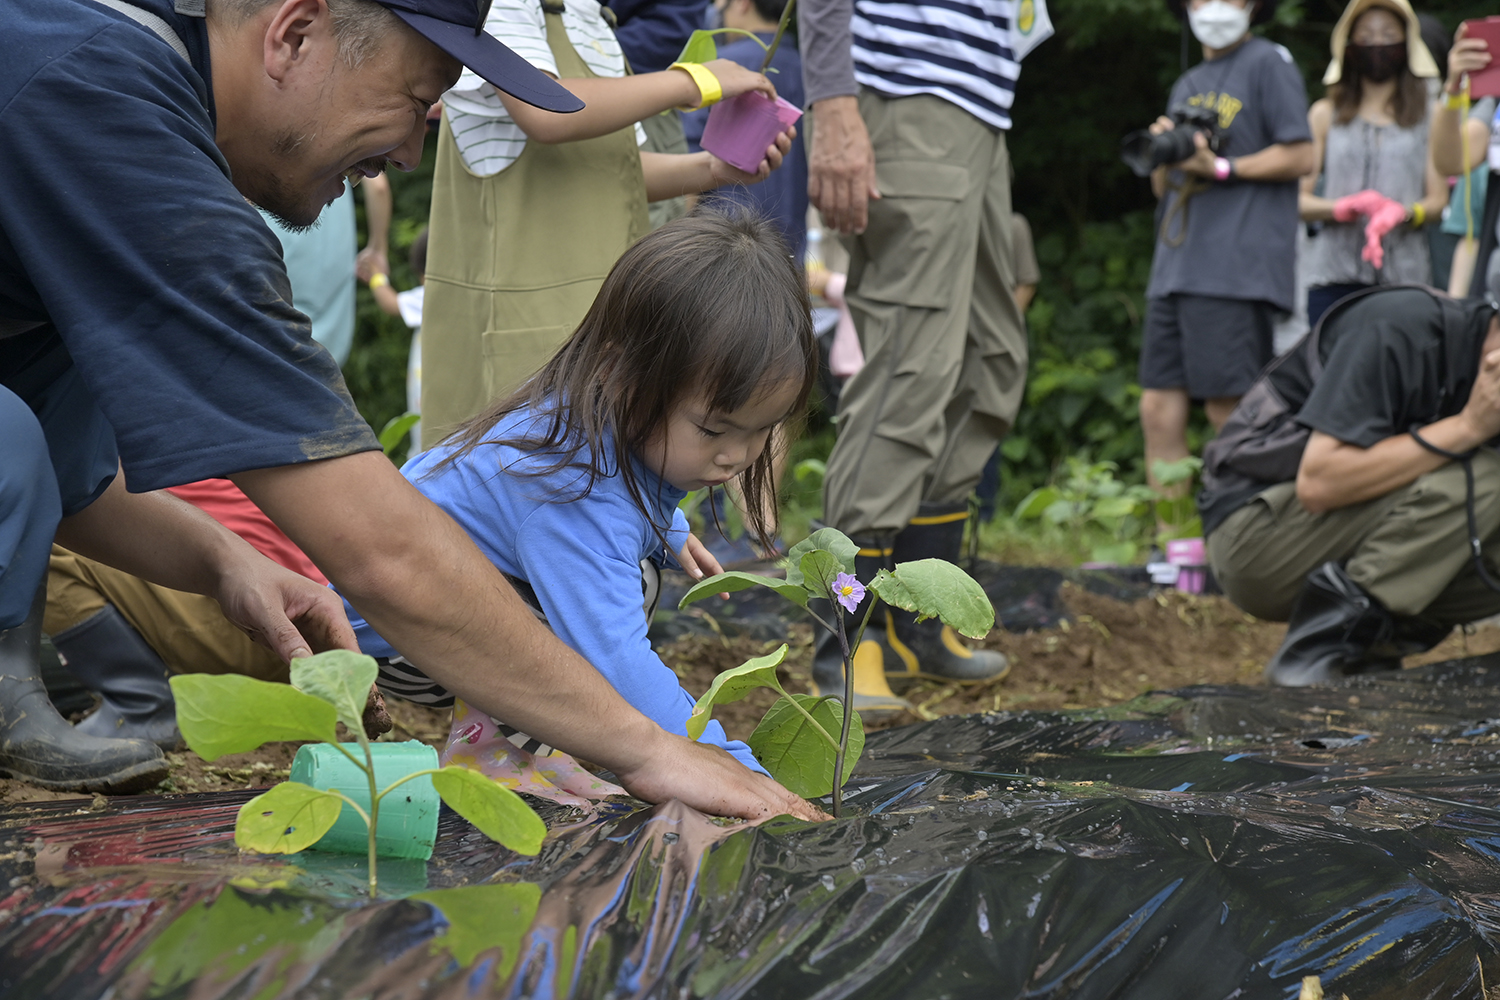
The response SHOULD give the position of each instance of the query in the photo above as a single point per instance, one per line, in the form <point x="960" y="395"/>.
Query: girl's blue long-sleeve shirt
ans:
<point x="581" y="556"/>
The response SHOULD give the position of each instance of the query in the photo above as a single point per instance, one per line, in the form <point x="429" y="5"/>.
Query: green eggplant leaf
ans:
<point x="819" y="568"/>
<point x="795" y="753"/>
<point x="340" y="677"/>
<point x="700" y="48"/>
<point x="935" y="588"/>
<point x="228" y="713"/>
<point x="823" y="540"/>
<point x="734" y="684"/>
<point x="496" y="811"/>
<point x="285" y="819"/>
<point x="733" y="580"/>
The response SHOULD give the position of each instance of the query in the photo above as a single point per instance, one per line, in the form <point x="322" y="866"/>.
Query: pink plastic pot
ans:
<point x="1188" y="555"/>
<point x="740" y="129"/>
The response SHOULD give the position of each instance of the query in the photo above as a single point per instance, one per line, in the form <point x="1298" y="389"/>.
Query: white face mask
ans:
<point x="1219" y="24"/>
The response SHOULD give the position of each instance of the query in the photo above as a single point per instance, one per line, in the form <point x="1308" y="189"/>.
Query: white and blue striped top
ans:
<point x="958" y="50"/>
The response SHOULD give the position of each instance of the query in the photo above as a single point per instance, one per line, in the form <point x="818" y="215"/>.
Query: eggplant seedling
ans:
<point x="796" y="739"/>
<point x="224" y="714"/>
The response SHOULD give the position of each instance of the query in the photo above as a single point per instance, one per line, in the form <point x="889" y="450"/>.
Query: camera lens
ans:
<point x="1144" y="152"/>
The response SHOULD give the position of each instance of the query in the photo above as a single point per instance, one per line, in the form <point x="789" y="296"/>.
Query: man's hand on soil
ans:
<point x="710" y="780"/>
<point x="283" y="611"/>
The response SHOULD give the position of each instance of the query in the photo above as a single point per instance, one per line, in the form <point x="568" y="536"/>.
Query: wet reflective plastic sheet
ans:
<point x="1205" y="843"/>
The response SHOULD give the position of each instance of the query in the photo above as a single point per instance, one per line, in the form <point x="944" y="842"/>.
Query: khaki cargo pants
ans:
<point x="930" y="287"/>
<point x="188" y="631"/>
<point x="1408" y="549"/>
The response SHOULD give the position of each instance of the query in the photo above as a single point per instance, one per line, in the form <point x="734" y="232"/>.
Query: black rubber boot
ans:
<point x="108" y="655"/>
<point x="1338" y="630"/>
<point x="932" y="649"/>
<point x="872" y="692"/>
<point x="38" y="745"/>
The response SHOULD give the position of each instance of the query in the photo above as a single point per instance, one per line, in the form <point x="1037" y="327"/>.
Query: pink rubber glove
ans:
<point x="1364" y="202"/>
<point x="1382" y="220"/>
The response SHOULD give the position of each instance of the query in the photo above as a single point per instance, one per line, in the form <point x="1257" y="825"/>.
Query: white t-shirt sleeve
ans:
<point x="410" y="304"/>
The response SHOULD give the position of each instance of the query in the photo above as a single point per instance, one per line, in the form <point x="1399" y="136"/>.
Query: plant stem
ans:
<point x="786" y="17"/>
<point x="843" y="744"/>
<point x="373" y="820"/>
<point x="809" y="717"/>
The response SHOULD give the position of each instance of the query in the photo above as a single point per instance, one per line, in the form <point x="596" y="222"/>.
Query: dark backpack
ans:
<point x="1261" y="443"/>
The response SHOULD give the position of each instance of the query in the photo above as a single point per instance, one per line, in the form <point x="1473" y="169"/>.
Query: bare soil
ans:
<point x="1112" y="652"/>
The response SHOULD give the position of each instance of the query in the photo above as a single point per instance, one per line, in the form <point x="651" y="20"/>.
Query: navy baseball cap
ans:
<point x="457" y="27"/>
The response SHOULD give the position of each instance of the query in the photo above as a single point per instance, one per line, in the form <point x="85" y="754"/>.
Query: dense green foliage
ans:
<point x="1106" y="72"/>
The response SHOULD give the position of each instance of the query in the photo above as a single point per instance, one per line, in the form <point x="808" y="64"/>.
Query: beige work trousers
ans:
<point x="1409" y="549"/>
<point x="188" y="631"/>
<point x="930" y="287"/>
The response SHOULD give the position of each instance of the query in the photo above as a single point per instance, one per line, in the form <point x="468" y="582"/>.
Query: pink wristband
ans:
<point x="1223" y="169"/>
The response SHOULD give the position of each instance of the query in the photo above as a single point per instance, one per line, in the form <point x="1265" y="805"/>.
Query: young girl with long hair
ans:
<point x="698" y="346"/>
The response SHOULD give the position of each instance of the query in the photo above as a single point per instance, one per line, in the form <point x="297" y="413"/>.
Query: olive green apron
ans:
<point x="515" y="260"/>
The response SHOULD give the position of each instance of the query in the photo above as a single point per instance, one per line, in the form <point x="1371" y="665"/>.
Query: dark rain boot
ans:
<point x="930" y="648"/>
<point x="108" y="655"/>
<point x="38" y="745"/>
<point x="872" y="692"/>
<point x="1337" y="630"/>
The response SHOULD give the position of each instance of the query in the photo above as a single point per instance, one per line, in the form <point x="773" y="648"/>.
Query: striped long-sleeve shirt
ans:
<point x="958" y="50"/>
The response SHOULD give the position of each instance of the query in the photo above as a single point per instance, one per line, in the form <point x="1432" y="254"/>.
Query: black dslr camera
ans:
<point x="1144" y="152"/>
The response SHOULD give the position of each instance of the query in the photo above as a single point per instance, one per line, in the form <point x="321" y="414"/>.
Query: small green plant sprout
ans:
<point x="224" y="714"/>
<point x="1089" y="503"/>
<point x="395" y="431"/>
<point x="701" y="48"/>
<point x="1177" y="508"/>
<point x="796" y="739"/>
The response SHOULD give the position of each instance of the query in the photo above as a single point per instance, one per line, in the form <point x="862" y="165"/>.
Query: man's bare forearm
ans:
<point x="421" y="583"/>
<point x="154" y="536"/>
<point x="1334" y="474"/>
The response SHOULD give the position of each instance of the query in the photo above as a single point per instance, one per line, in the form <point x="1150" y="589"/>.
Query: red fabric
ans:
<point x="223" y="501"/>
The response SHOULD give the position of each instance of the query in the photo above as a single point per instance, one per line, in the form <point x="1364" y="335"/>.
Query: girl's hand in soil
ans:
<point x="710" y="780"/>
<point x="723" y="173"/>
<point x="735" y="79"/>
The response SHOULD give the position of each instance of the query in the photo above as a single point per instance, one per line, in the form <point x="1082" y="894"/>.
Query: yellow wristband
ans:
<point x="1454" y="102"/>
<point x="379" y="281"/>
<point x="709" y="90"/>
<point x="1418" y="214"/>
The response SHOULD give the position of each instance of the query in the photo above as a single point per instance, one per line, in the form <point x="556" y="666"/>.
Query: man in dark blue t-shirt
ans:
<point x="147" y="338"/>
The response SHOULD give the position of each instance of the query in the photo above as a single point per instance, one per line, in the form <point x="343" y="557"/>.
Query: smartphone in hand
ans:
<point x="1485" y="82"/>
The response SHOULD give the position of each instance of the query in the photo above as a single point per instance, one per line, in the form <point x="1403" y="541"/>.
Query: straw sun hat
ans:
<point x="1418" y="59"/>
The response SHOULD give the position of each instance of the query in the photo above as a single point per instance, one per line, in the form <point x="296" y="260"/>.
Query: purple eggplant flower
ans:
<point x="848" y="591"/>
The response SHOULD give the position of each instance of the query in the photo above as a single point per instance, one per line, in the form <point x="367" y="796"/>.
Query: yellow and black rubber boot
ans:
<point x="932" y="649"/>
<point x="872" y="692"/>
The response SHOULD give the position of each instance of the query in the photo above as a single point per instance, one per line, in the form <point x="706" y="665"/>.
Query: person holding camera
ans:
<point x="1225" y="165"/>
<point x="1355" y="493"/>
<point x="1370" y="135"/>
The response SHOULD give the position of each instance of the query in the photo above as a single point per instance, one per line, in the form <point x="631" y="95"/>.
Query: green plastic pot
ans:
<point x="407" y="827"/>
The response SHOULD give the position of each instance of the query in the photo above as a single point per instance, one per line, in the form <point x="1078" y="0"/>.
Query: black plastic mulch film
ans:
<point x="1211" y="842"/>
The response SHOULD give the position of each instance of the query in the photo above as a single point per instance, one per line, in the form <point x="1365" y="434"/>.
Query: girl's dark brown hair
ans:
<point x="709" y="307"/>
<point x="1408" y="103"/>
